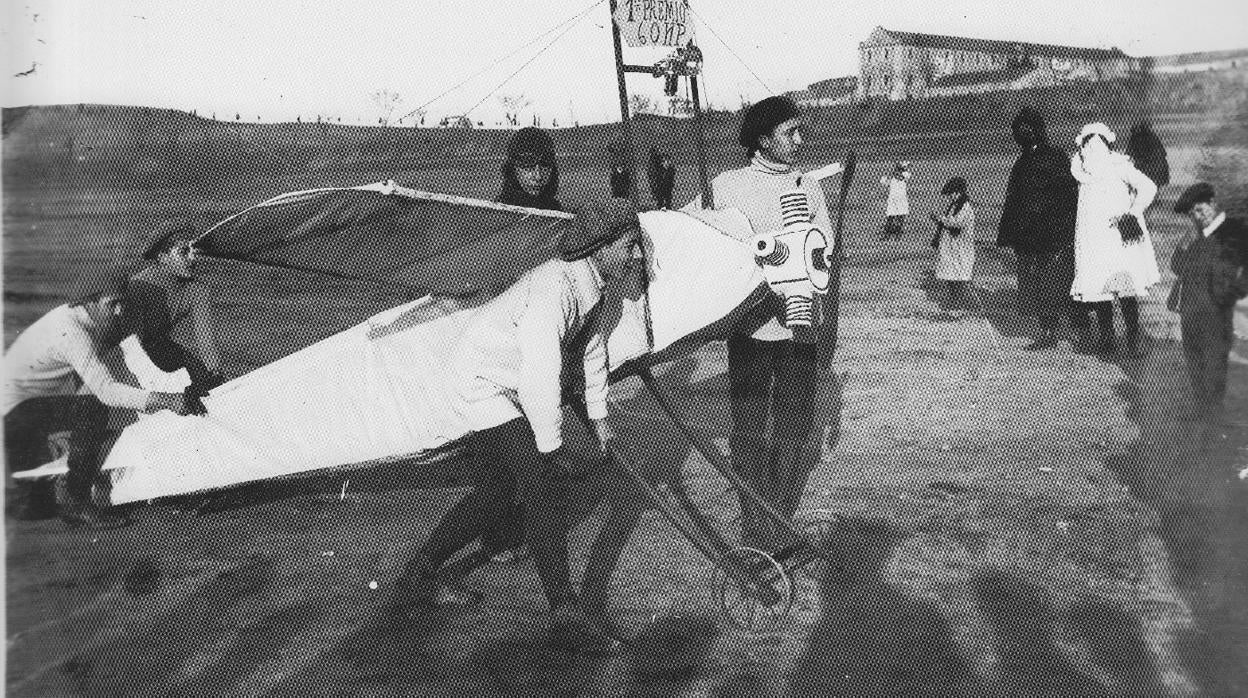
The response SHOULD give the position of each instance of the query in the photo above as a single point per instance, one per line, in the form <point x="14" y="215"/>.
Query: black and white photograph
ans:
<point x="634" y="348"/>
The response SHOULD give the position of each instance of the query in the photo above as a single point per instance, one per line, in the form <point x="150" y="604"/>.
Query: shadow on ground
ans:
<point x="1186" y="470"/>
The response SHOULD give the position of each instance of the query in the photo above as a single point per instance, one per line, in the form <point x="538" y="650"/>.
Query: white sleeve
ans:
<point x="1144" y="190"/>
<point x="596" y="368"/>
<point x="546" y="318"/>
<point x="81" y="354"/>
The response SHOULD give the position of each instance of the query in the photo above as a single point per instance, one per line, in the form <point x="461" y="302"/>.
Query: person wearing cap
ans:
<point x="1211" y="263"/>
<point x="164" y="295"/>
<point x="773" y="371"/>
<point x="509" y="365"/>
<point x="530" y="179"/>
<point x="530" y="172"/>
<point x="1038" y="224"/>
<point x="897" y="206"/>
<point x="43" y="371"/>
<point x="955" y="244"/>
<point x="1114" y="255"/>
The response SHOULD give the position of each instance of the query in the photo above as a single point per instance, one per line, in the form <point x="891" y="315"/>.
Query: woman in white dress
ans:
<point x="1114" y="256"/>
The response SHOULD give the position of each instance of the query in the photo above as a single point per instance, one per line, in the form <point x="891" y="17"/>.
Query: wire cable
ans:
<point x="489" y="67"/>
<point x="734" y="53"/>
<point x="524" y="65"/>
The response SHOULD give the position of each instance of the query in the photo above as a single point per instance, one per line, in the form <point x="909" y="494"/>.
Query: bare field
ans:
<point x="1012" y="524"/>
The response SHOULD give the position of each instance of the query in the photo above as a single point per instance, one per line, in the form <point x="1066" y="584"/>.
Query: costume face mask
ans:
<point x="795" y="259"/>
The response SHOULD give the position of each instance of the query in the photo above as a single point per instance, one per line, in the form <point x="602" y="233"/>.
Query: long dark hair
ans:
<point x="956" y="185"/>
<point x="527" y="146"/>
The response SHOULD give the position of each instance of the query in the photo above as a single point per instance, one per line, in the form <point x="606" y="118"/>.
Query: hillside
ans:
<point x="138" y="145"/>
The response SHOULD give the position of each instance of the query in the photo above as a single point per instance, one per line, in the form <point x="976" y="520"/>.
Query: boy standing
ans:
<point x="1210" y="263"/>
<point x="773" y="371"/>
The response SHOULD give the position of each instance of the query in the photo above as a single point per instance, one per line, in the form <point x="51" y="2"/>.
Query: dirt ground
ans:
<point x="1007" y="523"/>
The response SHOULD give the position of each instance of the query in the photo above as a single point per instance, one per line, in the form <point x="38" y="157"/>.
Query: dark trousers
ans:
<point x="894" y="227"/>
<point x="1130" y="316"/>
<point x="1077" y="314"/>
<point x="1207" y="341"/>
<point x="958" y="295"/>
<point x="771" y="382"/>
<point x="1044" y="280"/>
<point x="508" y="463"/>
<point x="81" y="422"/>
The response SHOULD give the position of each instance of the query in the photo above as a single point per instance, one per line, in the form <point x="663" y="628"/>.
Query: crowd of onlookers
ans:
<point x="1078" y="227"/>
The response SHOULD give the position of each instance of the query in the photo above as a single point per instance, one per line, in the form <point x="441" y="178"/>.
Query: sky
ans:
<point x="276" y="60"/>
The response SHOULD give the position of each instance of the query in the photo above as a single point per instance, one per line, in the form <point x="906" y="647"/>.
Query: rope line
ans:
<point x="489" y="67"/>
<point x="571" y="24"/>
<point x="734" y="53"/>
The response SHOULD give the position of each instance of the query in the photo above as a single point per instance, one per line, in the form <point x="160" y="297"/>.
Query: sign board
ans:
<point x="654" y="22"/>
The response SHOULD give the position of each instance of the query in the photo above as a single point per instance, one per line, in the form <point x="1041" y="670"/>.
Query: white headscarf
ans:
<point x="1085" y="169"/>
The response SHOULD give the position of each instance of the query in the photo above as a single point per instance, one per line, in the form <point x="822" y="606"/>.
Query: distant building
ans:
<point x="826" y="92"/>
<point x="1198" y="62"/>
<point x="905" y="65"/>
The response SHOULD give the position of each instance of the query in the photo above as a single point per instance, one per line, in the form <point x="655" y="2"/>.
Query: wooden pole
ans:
<point x="708" y="199"/>
<point x="623" y="89"/>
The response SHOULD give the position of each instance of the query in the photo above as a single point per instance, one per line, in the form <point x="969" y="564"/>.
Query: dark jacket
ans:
<point x="1212" y="271"/>
<point x="157" y="302"/>
<point x="662" y="179"/>
<point x="1038" y="216"/>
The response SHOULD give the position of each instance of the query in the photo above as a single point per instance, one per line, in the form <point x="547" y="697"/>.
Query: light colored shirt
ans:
<point x="57" y="354"/>
<point x="1217" y="221"/>
<point x="755" y="191"/>
<point x="510" y="360"/>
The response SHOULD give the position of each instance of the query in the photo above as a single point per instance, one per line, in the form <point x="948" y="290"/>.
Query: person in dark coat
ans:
<point x="1148" y="153"/>
<point x="621" y="177"/>
<point x="1211" y="263"/>
<point x="1038" y="223"/>
<point x="165" y="295"/>
<point x="662" y="172"/>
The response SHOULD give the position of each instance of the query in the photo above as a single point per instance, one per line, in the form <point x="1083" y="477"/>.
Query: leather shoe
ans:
<point x="79" y="512"/>
<point x="420" y="587"/>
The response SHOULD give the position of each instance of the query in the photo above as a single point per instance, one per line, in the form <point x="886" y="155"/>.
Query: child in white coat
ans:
<point x="898" y="206"/>
<point x="955" y="244"/>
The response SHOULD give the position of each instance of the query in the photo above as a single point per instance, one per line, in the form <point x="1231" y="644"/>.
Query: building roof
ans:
<point x="961" y="43"/>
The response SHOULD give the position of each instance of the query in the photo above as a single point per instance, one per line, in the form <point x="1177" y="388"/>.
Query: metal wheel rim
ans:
<point x="740" y="606"/>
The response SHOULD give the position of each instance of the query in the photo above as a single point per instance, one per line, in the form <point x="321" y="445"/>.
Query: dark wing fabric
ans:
<point x="432" y="243"/>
